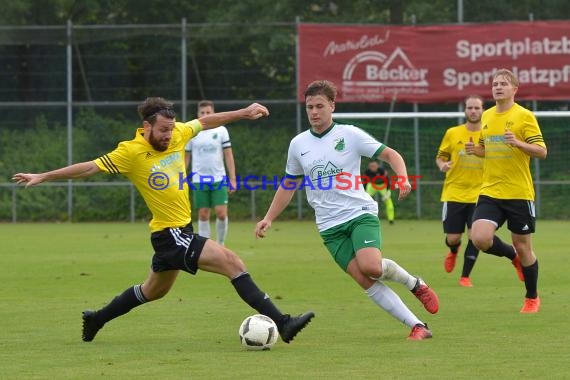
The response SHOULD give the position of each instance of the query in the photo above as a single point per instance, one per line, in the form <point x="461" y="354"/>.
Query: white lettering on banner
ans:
<point x="400" y="73"/>
<point x="364" y="42"/>
<point x="372" y="69"/>
<point x="532" y="75"/>
<point x="373" y="76"/>
<point x="513" y="49"/>
<point x="460" y="80"/>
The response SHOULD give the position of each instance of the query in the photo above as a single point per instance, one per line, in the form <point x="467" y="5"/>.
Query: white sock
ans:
<point x="204" y="228"/>
<point x="393" y="272"/>
<point x="221" y="230"/>
<point x="388" y="300"/>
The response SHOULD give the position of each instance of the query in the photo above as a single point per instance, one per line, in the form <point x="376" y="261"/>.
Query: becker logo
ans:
<point x="372" y="72"/>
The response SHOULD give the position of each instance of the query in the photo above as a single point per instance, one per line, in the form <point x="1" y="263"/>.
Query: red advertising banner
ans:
<point x="429" y="64"/>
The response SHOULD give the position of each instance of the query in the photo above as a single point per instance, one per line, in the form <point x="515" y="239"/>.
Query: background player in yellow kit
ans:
<point x="510" y="136"/>
<point x="463" y="176"/>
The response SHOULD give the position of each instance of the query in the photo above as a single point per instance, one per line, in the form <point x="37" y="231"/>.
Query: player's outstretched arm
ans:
<point x="80" y="170"/>
<point x="252" y="112"/>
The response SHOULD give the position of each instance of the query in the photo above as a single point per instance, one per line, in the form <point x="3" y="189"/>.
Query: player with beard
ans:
<point x="154" y="162"/>
<point x="463" y="177"/>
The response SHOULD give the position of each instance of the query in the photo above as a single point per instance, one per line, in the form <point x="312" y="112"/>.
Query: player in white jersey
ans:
<point x="325" y="160"/>
<point x="210" y="186"/>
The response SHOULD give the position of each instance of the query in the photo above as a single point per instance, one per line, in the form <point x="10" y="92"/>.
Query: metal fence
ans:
<point x="68" y="81"/>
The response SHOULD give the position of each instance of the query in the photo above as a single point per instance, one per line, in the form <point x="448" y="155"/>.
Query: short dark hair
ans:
<point x="151" y="107"/>
<point x="206" y="103"/>
<point x="322" y="87"/>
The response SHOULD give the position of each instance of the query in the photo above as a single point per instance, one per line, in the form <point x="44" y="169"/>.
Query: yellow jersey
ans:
<point x="160" y="177"/>
<point x="506" y="172"/>
<point x="463" y="182"/>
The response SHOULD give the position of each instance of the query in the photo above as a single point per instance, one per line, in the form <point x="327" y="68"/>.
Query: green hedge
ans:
<point x="260" y="148"/>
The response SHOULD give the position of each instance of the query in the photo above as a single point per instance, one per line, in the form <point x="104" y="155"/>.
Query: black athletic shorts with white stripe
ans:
<point x="457" y="215"/>
<point x="519" y="214"/>
<point x="176" y="248"/>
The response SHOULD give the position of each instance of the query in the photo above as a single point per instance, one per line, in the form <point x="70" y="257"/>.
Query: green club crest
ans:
<point x="339" y="144"/>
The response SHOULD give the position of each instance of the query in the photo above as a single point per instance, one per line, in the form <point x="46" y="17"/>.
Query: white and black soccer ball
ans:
<point x="258" y="332"/>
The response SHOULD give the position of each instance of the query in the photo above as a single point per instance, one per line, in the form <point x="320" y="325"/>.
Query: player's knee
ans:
<point x="482" y="243"/>
<point x="204" y="214"/>
<point x="523" y="249"/>
<point x="453" y="240"/>
<point x="372" y="271"/>
<point x="482" y="239"/>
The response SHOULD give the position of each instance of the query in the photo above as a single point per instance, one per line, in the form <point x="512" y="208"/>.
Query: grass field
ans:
<point x="51" y="272"/>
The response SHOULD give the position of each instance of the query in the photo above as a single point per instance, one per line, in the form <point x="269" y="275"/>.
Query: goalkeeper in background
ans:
<point x="463" y="177"/>
<point x="381" y="187"/>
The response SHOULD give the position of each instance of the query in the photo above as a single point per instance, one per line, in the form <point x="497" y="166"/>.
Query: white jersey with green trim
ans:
<point x="207" y="150"/>
<point x="330" y="166"/>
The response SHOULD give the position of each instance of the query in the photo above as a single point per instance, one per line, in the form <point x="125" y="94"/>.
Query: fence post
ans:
<point x="417" y="162"/>
<point x="14" y="215"/>
<point x="132" y="202"/>
<point x="183" y="68"/>
<point x="537" y="186"/>
<point x="69" y="53"/>
<point x="298" y="107"/>
<point x="253" y="205"/>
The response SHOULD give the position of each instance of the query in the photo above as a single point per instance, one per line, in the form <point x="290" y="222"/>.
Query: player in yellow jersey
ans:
<point x="154" y="162"/>
<point x="463" y="176"/>
<point x="510" y="136"/>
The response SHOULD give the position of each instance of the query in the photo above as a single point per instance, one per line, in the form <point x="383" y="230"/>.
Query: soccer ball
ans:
<point x="258" y="332"/>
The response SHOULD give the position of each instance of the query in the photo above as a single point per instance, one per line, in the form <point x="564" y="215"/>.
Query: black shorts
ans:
<point x="519" y="213"/>
<point x="176" y="248"/>
<point x="456" y="216"/>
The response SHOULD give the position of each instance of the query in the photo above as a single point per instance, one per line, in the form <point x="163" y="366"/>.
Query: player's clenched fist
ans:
<point x="256" y="110"/>
<point x="470" y="146"/>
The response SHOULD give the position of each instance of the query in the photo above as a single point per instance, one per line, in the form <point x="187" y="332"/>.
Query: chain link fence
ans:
<point x="69" y="94"/>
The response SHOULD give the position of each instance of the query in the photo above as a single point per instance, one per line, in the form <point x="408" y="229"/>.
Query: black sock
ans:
<point x="254" y="297"/>
<point x="499" y="248"/>
<point x="122" y="304"/>
<point x="531" y="280"/>
<point x="453" y="248"/>
<point x="470" y="256"/>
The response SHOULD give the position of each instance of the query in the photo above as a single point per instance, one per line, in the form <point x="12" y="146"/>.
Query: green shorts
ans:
<point x="209" y="195"/>
<point x="344" y="240"/>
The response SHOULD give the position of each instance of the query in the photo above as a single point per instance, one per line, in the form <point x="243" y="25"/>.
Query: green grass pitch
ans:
<point x="51" y="272"/>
